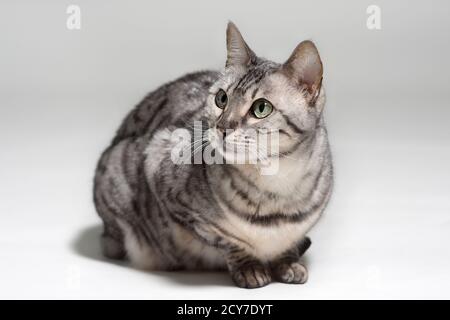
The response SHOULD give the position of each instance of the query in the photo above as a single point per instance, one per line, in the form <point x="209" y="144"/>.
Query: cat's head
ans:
<point x="257" y="94"/>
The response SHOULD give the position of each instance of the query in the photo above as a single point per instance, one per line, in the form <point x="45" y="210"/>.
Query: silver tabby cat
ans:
<point x="166" y="216"/>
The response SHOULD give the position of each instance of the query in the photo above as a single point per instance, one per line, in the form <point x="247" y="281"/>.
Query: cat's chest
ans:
<point x="266" y="241"/>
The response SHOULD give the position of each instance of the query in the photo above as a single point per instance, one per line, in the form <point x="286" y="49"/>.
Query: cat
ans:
<point x="161" y="215"/>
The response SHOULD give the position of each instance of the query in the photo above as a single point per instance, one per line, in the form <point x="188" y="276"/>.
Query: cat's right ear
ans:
<point x="305" y="68"/>
<point x="238" y="52"/>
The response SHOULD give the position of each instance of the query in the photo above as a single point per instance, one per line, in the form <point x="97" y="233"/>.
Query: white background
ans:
<point x="386" y="233"/>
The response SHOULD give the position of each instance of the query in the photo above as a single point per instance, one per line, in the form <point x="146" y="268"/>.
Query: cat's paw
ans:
<point x="251" y="276"/>
<point x="291" y="272"/>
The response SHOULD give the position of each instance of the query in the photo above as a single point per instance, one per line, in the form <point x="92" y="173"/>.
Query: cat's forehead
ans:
<point x="240" y="81"/>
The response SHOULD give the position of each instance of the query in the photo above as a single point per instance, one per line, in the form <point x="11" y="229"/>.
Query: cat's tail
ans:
<point x="304" y="245"/>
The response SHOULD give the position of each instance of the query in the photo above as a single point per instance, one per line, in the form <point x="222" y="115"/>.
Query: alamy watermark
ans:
<point x="73" y="21"/>
<point x="374" y="19"/>
<point x="258" y="147"/>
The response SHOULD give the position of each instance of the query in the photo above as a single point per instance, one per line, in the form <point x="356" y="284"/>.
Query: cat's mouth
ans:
<point x="237" y="151"/>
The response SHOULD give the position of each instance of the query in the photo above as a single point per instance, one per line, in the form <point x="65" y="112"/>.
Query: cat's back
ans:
<point x="174" y="103"/>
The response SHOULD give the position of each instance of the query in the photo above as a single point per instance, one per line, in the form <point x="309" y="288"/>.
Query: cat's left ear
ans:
<point x="305" y="68"/>
<point x="238" y="52"/>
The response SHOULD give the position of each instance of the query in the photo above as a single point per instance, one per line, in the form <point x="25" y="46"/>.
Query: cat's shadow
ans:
<point x="87" y="244"/>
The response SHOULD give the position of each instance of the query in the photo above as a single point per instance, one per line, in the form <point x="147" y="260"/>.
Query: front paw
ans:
<point x="291" y="272"/>
<point x="251" y="276"/>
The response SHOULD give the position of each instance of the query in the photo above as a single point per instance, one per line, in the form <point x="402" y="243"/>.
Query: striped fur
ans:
<point x="166" y="216"/>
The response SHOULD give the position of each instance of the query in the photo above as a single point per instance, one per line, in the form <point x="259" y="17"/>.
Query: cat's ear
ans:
<point x="238" y="52"/>
<point x="305" y="68"/>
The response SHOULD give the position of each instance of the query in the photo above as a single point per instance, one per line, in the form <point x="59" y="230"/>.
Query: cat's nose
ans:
<point x="224" y="127"/>
<point x="222" y="132"/>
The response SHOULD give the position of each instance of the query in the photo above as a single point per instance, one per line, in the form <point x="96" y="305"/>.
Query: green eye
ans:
<point x="261" y="108"/>
<point x="221" y="99"/>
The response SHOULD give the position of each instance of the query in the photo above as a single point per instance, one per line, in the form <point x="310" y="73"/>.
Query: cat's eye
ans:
<point x="221" y="99"/>
<point x="261" y="108"/>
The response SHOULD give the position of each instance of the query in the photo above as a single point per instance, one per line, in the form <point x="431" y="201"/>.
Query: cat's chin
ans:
<point x="238" y="158"/>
